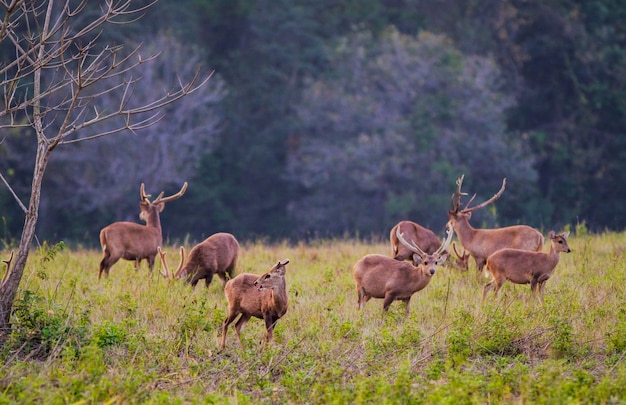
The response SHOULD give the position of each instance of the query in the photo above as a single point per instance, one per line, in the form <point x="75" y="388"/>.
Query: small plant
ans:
<point x="39" y="330"/>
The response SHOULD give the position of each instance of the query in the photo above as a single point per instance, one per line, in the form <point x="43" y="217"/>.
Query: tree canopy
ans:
<point x="329" y="118"/>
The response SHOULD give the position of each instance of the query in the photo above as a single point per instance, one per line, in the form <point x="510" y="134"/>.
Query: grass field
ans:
<point x="138" y="338"/>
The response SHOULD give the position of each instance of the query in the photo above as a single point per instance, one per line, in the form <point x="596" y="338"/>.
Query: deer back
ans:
<point x="487" y="241"/>
<point x="423" y="237"/>
<point x="134" y="240"/>
<point x="215" y="254"/>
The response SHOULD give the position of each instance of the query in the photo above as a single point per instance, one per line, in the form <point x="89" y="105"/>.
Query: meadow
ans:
<point x="138" y="338"/>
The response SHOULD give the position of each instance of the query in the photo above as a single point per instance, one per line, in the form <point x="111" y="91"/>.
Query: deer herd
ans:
<point x="511" y="253"/>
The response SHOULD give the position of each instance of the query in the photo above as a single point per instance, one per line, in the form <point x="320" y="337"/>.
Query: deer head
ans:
<point x="434" y="259"/>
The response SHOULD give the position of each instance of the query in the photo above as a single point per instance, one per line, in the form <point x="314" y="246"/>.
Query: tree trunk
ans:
<point x="8" y="288"/>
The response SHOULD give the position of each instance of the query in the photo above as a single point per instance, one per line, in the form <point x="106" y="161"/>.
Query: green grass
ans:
<point x="138" y="338"/>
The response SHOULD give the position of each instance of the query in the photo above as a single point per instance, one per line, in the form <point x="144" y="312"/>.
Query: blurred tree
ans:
<point x="572" y="106"/>
<point x="384" y="137"/>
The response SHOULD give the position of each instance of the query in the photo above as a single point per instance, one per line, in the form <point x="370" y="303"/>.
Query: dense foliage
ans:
<point x="327" y="118"/>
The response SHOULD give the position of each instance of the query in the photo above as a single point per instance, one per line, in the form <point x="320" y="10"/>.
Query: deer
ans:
<point x="480" y="243"/>
<point x="461" y="261"/>
<point x="217" y="254"/>
<point x="423" y="237"/>
<point x="132" y="241"/>
<point x="379" y="276"/>
<point x="263" y="297"/>
<point x="524" y="267"/>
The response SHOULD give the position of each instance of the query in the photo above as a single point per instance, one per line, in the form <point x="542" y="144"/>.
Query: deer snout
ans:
<point x="432" y="271"/>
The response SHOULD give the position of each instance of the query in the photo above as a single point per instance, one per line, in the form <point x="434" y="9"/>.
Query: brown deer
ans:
<point x="378" y="276"/>
<point x="131" y="241"/>
<point x="524" y="267"/>
<point x="424" y="238"/>
<point x="462" y="259"/>
<point x="217" y="254"/>
<point x="480" y="243"/>
<point x="264" y="297"/>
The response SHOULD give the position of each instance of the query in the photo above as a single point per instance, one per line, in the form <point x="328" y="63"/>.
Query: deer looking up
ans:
<point x="131" y="241"/>
<point x="378" y="276"/>
<point x="263" y="297"/>
<point x="424" y="238"/>
<point x="524" y="267"/>
<point x="481" y="243"/>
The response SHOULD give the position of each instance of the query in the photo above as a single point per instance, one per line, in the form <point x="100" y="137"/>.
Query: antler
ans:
<point x="489" y="201"/>
<point x="167" y="273"/>
<point x="161" y="199"/>
<point x="146" y="197"/>
<point x="142" y="193"/>
<point x="412" y="246"/>
<point x="456" y="197"/>
<point x="446" y="243"/>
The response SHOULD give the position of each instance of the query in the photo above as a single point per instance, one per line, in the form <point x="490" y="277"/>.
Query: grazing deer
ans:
<point x="217" y="254"/>
<point x="462" y="259"/>
<point x="264" y="297"/>
<point x="378" y="276"/>
<point x="131" y="241"/>
<point x="424" y="238"/>
<point x="480" y="243"/>
<point x="524" y="267"/>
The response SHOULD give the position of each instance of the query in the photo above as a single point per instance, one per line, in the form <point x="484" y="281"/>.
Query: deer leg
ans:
<point x="388" y="300"/>
<point x="407" y="305"/>
<point x="197" y="277"/>
<point x="107" y="262"/>
<point x="487" y="287"/>
<point x="270" y="321"/>
<point x="229" y="319"/>
<point x="239" y="324"/>
<point x="151" y="262"/>
<point x="208" y="279"/>
<point x="480" y="262"/>
<point x="362" y="298"/>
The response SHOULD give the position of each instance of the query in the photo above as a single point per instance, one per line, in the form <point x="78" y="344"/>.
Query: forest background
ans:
<point x="329" y="118"/>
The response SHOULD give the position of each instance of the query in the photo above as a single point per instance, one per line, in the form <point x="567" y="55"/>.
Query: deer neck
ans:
<point x="553" y="256"/>
<point x="279" y="298"/>
<point x="464" y="231"/>
<point x="154" y="221"/>
<point x="420" y="279"/>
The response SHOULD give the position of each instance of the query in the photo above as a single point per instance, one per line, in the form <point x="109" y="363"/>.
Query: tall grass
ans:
<point x="137" y="338"/>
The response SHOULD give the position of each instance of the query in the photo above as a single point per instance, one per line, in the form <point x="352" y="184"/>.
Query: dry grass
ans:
<point x="136" y="337"/>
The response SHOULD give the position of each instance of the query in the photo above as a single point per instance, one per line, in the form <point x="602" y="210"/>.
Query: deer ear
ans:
<point x="442" y="259"/>
<point x="417" y="259"/>
<point x="551" y="235"/>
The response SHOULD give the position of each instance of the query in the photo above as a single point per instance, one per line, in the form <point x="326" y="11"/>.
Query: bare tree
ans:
<point x="50" y="89"/>
<point x="167" y="154"/>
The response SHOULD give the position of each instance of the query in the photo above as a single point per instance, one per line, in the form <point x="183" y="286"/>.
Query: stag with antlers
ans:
<point x="481" y="243"/>
<point x="131" y="241"/>
<point x="378" y="276"/>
